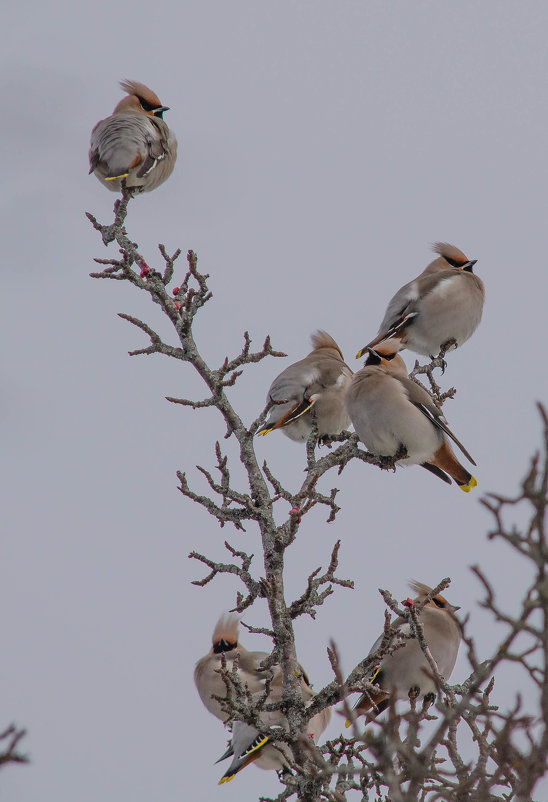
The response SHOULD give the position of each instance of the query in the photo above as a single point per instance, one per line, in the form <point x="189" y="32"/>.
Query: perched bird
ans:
<point x="134" y="143"/>
<point x="389" y="411"/>
<point x="443" y="304"/>
<point x="407" y="669"/>
<point x="319" y="382"/>
<point x="225" y="642"/>
<point x="249" y="745"/>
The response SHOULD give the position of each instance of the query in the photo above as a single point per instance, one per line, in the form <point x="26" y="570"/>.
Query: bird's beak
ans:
<point x="456" y="607"/>
<point x="469" y="265"/>
<point x="166" y="108"/>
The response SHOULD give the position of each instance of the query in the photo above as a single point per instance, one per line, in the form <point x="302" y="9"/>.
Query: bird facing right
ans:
<point x="441" y="306"/>
<point x="389" y="411"/>
<point x="133" y="144"/>
<point x="407" y="668"/>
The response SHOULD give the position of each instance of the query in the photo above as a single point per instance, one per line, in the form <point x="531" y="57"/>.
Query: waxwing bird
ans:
<point x="134" y="143"/>
<point x="249" y="745"/>
<point x="225" y="642"/>
<point x="318" y="382"/>
<point x="443" y="304"/>
<point x="389" y="411"/>
<point x="407" y="669"/>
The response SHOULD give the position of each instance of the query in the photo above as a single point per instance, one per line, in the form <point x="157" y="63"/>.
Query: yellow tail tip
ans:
<point x="347" y="723"/>
<point x="226" y="779"/>
<point x="360" y="353"/>
<point x="472" y="483"/>
<point x="263" y="432"/>
<point x="115" y="177"/>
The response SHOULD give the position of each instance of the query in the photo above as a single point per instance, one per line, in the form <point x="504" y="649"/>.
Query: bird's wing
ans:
<point x="246" y="743"/>
<point x="402" y="308"/>
<point x="423" y="401"/>
<point x="156" y="147"/>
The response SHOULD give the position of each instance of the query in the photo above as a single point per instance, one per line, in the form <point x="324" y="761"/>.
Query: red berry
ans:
<point x="175" y="290"/>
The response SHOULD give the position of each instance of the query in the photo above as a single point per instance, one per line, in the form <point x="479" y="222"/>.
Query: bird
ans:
<point x="225" y="641"/>
<point x="441" y="308"/>
<point x="389" y="410"/>
<point x="247" y="744"/>
<point x="407" y="669"/>
<point x="316" y="383"/>
<point x="133" y="144"/>
<point x="250" y="745"/>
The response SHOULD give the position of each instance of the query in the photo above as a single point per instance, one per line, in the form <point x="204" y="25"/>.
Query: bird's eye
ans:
<point x="438" y="603"/>
<point x="388" y="357"/>
<point x="373" y="359"/>
<point x="223" y="645"/>
<point x="454" y="262"/>
<point x="146" y="105"/>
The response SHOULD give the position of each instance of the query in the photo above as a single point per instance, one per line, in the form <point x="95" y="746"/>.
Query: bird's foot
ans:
<point x="438" y="362"/>
<point x="448" y="345"/>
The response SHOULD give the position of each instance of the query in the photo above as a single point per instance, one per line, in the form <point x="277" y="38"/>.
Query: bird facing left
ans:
<point x="133" y="144"/>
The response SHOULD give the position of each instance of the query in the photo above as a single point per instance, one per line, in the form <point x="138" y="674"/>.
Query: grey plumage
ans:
<point x="445" y="302"/>
<point x="134" y="143"/>
<point x="248" y="745"/>
<point x="389" y="410"/>
<point x="407" y="668"/>
<point x="226" y="643"/>
<point x="318" y="382"/>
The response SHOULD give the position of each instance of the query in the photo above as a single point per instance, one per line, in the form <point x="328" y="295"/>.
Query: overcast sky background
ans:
<point x="322" y="148"/>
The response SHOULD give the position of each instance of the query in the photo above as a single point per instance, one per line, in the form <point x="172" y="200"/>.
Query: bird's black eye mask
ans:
<point x="158" y="111"/>
<point x="223" y="646"/>
<point x="454" y="262"/>
<point x="466" y="267"/>
<point x="151" y="106"/>
<point x="375" y="359"/>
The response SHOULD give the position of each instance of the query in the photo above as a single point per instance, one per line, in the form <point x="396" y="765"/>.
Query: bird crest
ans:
<point x="321" y="339"/>
<point x="227" y="629"/>
<point x="450" y="252"/>
<point x="141" y="91"/>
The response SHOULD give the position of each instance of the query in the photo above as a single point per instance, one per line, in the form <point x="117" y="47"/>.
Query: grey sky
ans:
<point x="322" y="148"/>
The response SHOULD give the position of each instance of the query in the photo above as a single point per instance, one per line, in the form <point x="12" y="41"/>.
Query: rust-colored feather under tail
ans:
<point x="445" y="460"/>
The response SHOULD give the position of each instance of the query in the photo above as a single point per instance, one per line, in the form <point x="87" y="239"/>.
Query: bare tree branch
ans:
<point x="9" y="746"/>
<point x="457" y="747"/>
